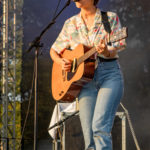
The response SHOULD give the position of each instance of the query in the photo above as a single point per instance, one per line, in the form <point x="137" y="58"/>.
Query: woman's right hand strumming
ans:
<point x="65" y="63"/>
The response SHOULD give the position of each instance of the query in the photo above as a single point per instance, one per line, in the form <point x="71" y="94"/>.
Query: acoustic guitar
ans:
<point x="67" y="85"/>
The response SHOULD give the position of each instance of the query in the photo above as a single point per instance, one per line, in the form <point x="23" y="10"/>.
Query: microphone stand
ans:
<point x="37" y="44"/>
<point x="63" y="120"/>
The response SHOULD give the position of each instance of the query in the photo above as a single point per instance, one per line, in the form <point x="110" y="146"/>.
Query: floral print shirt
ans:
<point x="75" y="32"/>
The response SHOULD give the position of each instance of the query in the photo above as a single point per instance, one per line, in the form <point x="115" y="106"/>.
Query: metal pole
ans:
<point x="35" y="100"/>
<point x="9" y="74"/>
<point x="14" y="71"/>
<point x="124" y="132"/>
<point x="5" y="72"/>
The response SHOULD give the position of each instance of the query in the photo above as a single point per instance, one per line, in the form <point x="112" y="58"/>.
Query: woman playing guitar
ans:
<point x="99" y="98"/>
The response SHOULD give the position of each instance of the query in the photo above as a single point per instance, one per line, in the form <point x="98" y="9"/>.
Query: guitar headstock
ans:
<point x="119" y="35"/>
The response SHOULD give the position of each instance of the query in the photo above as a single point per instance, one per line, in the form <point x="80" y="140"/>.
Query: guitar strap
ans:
<point x="106" y="24"/>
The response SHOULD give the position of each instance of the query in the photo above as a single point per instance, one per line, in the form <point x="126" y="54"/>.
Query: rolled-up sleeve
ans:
<point x="115" y="27"/>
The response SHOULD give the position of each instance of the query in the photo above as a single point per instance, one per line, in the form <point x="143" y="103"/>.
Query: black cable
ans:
<point x="56" y="9"/>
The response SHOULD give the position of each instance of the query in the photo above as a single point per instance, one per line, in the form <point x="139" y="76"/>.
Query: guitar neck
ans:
<point x="121" y="34"/>
<point x="86" y="56"/>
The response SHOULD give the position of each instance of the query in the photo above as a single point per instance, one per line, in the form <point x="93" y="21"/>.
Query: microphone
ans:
<point x="75" y="0"/>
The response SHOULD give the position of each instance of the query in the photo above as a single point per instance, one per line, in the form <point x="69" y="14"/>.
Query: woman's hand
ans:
<point x="102" y="49"/>
<point x="66" y="64"/>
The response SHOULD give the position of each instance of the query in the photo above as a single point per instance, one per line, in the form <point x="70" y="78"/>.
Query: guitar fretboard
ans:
<point x="86" y="56"/>
<point x="122" y="33"/>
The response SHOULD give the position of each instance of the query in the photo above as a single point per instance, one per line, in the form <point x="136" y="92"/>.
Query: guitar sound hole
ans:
<point x="70" y="75"/>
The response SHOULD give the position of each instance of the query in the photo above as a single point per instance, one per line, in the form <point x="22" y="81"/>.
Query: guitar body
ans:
<point x="67" y="85"/>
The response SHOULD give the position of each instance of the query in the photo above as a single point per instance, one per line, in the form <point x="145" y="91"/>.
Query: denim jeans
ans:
<point x="98" y="103"/>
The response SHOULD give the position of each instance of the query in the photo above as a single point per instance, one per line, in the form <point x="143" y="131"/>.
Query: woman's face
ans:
<point x="85" y="4"/>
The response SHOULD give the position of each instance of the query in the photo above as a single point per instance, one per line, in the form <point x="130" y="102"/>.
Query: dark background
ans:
<point x="134" y="60"/>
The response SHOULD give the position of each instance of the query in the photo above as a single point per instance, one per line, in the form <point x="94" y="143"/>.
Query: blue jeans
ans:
<point x="98" y="103"/>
